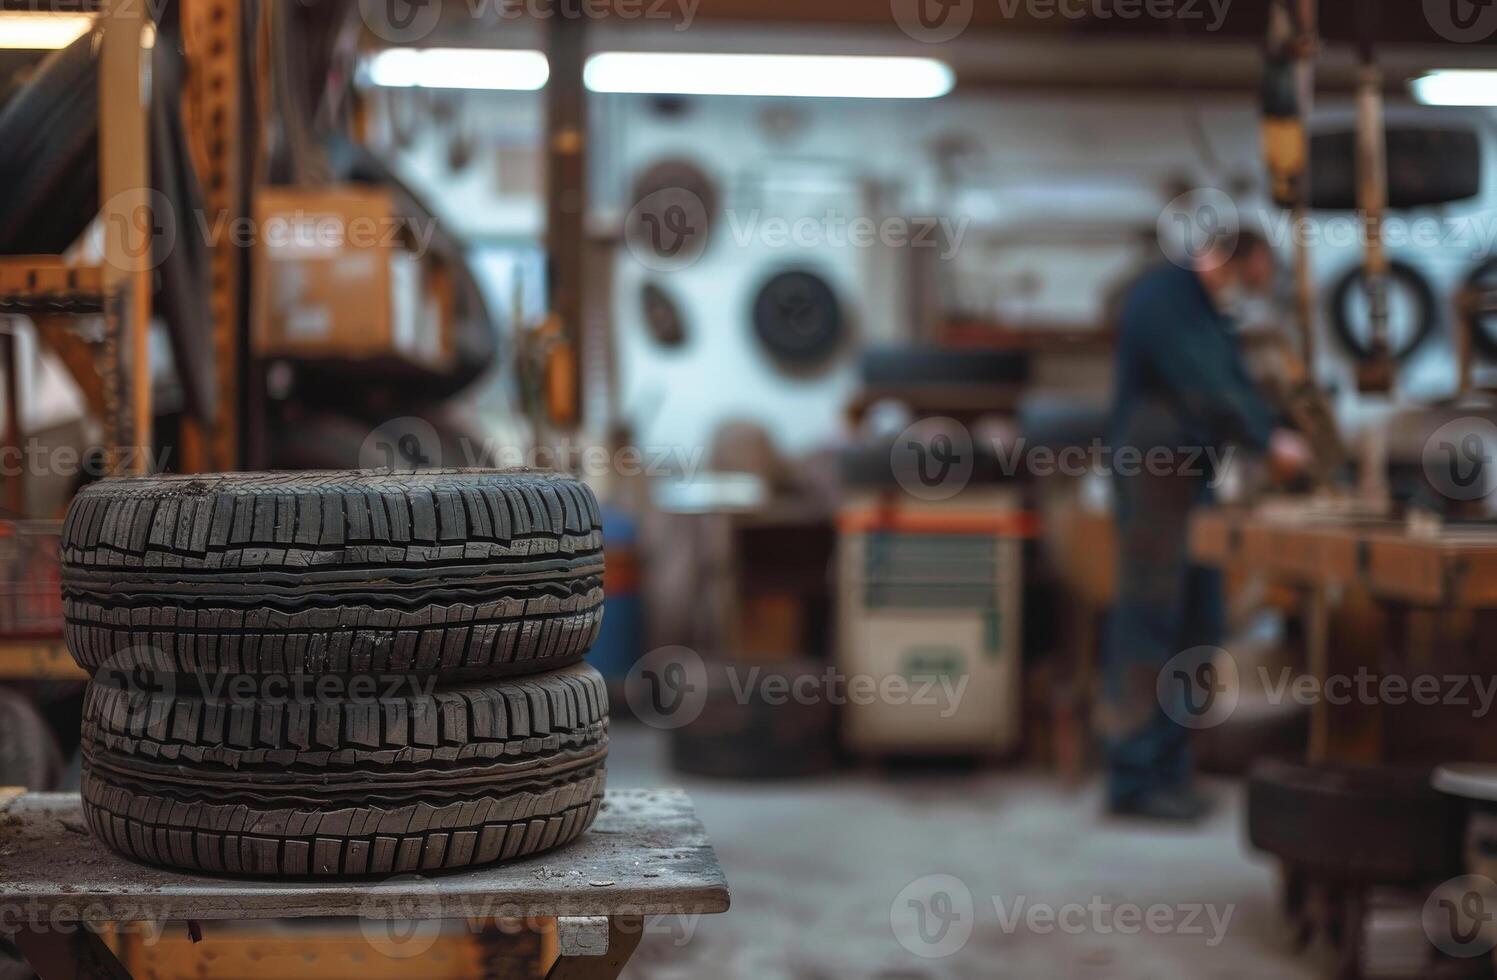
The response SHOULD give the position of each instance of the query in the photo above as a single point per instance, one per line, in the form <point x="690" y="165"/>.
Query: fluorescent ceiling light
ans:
<point x="35" y="30"/>
<point x="785" y="75"/>
<point x="826" y="76"/>
<point x="1452" y="87"/>
<point x="498" y="69"/>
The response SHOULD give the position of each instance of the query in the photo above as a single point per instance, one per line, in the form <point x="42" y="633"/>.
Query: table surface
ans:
<point x="1450" y="566"/>
<point x="647" y="854"/>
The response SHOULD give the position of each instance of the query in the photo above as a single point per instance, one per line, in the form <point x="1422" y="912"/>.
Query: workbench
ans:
<point x="647" y="855"/>
<point x="1448" y="567"/>
<point x="1340" y="560"/>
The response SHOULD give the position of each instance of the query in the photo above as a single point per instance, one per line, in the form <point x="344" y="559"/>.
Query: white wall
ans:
<point x="1055" y="201"/>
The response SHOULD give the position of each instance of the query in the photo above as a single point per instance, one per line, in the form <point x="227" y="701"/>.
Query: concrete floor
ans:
<point x="834" y="877"/>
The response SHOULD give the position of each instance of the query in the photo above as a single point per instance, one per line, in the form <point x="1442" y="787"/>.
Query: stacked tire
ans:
<point x="337" y="673"/>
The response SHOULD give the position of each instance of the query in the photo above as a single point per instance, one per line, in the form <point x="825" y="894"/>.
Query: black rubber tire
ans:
<point x="738" y="738"/>
<point x="1483" y="278"/>
<point x="895" y="366"/>
<point x="49" y="129"/>
<point x="1424" y="297"/>
<point x="798" y="321"/>
<point x="1427" y="166"/>
<point x="1381" y="826"/>
<point x="310" y="786"/>
<point x="29" y="753"/>
<point x="456" y="574"/>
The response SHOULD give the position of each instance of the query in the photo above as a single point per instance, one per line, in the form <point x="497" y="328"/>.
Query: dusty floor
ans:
<point x="862" y="876"/>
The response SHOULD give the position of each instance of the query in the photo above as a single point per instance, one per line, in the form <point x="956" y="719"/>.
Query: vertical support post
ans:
<point x="10" y="438"/>
<point x="212" y="39"/>
<point x="566" y="207"/>
<point x="1304" y="280"/>
<point x="124" y="190"/>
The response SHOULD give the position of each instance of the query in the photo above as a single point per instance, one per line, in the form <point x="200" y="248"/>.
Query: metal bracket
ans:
<point x="595" y="947"/>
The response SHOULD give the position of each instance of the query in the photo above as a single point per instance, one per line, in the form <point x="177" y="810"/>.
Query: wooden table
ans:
<point x="646" y="855"/>
<point x="1450" y="567"/>
<point x="1340" y="561"/>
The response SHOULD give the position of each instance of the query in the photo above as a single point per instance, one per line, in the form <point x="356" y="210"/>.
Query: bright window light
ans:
<point x="783" y="75"/>
<point x="467" y="68"/>
<point x="1449" y="87"/>
<point x="39" y="31"/>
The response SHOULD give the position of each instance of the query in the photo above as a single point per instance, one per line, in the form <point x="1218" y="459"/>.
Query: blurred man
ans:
<point x="1181" y="396"/>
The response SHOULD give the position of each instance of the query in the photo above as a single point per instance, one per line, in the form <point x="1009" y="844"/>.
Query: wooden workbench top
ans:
<point x="646" y="855"/>
<point x="1455" y="565"/>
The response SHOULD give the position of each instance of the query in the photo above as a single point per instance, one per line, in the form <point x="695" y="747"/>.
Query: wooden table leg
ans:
<point x="76" y="955"/>
<point x="1317" y="656"/>
<point x="593" y="947"/>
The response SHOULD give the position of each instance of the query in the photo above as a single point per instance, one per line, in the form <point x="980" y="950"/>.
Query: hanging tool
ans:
<point x="1288" y="93"/>
<point x="1375" y="373"/>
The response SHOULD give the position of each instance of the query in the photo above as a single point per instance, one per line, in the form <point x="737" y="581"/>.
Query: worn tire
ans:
<point x="1377" y="825"/>
<point x="29" y="753"/>
<point x="755" y="738"/>
<point x="454" y="573"/>
<point x="301" y="787"/>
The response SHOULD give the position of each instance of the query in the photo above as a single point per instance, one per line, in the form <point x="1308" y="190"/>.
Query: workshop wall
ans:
<point x="1049" y="203"/>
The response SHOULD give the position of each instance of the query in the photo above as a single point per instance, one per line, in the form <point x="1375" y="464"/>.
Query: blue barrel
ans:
<point x="621" y="642"/>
